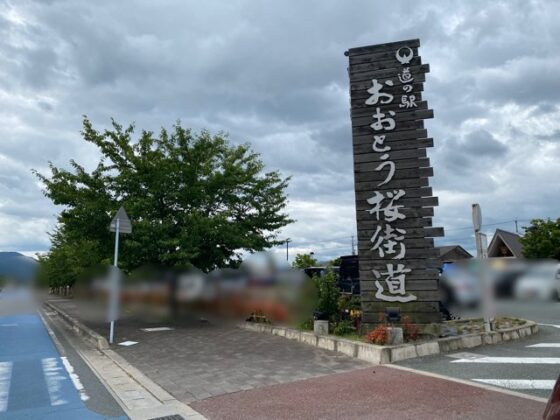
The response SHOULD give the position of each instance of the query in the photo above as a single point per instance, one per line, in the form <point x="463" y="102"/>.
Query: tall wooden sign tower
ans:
<point x="394" y="202"/>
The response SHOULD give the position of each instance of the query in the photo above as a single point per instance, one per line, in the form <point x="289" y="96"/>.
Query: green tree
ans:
<point x="193" y="198"/>
<point x="328" y="294"/>
<point x="304" y="261"/>
<point x="335" y="262"/>
<point x="542" y="239"/>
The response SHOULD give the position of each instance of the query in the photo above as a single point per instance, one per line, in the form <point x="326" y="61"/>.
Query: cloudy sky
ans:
<point x="273" y="73"/>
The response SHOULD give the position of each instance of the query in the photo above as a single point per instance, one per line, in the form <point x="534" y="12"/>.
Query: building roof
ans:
<point x="509" y="239"/>
<point x="443" y="250"/>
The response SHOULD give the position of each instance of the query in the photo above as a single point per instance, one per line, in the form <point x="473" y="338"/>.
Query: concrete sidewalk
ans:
<point x="228" y="373"/>
<point x="198" y="360"/>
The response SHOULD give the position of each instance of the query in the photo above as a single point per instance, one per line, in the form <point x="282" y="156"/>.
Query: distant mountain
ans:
<point x="17" y="266"/>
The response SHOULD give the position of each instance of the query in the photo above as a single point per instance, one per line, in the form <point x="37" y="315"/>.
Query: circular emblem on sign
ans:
<point x="406" y="56"/>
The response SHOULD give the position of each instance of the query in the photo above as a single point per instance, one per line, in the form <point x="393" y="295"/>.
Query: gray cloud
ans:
<point x="274" y="74"/>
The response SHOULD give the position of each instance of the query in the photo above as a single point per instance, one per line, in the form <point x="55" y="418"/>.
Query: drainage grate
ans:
<point x="173" y="417"/>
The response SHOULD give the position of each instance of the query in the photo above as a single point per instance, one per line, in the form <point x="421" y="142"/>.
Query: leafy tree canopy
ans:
<point x="304" y="261"/>
<point x="193" y="199"/>
<point x="542" y="239"/>
<point x="335" y="262"/>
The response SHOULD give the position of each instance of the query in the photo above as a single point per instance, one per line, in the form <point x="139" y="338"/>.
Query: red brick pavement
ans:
<point x="373" y="393"/>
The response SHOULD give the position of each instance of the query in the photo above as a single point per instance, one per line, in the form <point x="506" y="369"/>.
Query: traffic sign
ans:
<point x="124" y="224"/>
<point x="476" y="217"/>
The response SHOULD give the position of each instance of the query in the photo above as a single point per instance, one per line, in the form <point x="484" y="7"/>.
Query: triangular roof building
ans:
<point x="505" y="244"/>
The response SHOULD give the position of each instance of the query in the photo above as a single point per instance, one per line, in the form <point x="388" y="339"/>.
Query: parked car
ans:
<point x="540" y="282"/>
<point x="459" y="286"/>
<point x="552" y="410"/>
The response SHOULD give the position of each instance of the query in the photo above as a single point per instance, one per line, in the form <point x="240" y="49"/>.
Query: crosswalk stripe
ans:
<point x="519" y="383"/>
<point x="514" y="360"/>
<point x="5" y="380"/>
<point x="53" y="378"/>
<point x="551" y="325"/>
<point x="545" y="345"/>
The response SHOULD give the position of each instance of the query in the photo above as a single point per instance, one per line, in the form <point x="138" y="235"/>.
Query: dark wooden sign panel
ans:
<point x="394" y="202"/>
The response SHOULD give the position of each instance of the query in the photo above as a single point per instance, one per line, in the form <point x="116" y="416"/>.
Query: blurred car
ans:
<point x="504" y="273"/>
<point x="540" y="282"/>
<point x="459" y="286"/>
<point x="552" y="410"/>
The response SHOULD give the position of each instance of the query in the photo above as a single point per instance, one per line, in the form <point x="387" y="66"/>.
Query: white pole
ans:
<point x="116" y="259"/>
<point x="485" y="286"/>
<point x="113" y="289"/>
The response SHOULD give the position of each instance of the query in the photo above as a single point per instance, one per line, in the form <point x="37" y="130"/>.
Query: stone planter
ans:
<point x="321" y="327"/>
<point x="392" y="353"/>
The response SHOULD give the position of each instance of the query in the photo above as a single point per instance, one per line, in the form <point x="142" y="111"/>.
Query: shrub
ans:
<point x="343" y="328"/>
<point x="328" y="294"/>
<point x="259" y="317"/>
<point x="380" y="335"/>
<point x="306" y="325"/>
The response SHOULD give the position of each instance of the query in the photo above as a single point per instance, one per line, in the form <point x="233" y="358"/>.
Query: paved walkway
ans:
<point x="228" y="373"/>
<point x="199" y="360"/>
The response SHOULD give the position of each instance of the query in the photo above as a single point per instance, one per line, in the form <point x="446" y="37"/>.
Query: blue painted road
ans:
<point x="34" y="382"/>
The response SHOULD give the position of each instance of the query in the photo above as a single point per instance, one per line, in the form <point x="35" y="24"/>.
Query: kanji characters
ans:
<point x="384" y="242"/>
<point x="388" y="240"/>
<point x="405" y="76"/>
<point x="394" y="279"/>
<point x="408" y="101"/>
<point x="391" y="210"/>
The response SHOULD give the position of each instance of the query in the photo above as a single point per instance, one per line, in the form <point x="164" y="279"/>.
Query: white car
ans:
<point x="540" y="282"/>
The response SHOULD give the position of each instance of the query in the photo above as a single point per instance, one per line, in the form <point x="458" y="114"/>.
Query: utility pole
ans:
<point x="353" y="249"/>
<point x="287" y="248"/>
<point x="516" y="228"/>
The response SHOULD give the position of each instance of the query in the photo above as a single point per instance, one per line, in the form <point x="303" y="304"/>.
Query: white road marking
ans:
<point x="464" y="355"/>
<point x="128" y="343"/>
<point x="545" y="345"/>
<point x="519" y="383"/>
<point x="53" y="378"/>
<point x="514" y="360"/>
<point x="8" y="325"/>
<point x="5" y="380"/>
<point x="156" y="329"/>
<point x="551" y="325"/>
<point x="470" y="383"/>
<point x="75" y="379"/>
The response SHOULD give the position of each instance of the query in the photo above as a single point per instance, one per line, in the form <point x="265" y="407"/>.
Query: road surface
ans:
<point x="41" y="380"/>
<point x="529" y="365"/>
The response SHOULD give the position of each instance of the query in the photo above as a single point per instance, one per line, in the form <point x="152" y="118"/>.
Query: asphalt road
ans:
<point x="42" y="377"/>
<point x="529" y="365"/>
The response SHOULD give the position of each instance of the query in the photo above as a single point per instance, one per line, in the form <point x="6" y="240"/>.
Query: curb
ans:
<point x="169" y="406"/>
<point x="87" y="333"/>
<point x="388" y="354"/>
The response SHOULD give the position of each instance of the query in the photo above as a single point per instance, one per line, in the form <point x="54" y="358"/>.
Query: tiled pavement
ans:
<point x="199" y="360"/>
